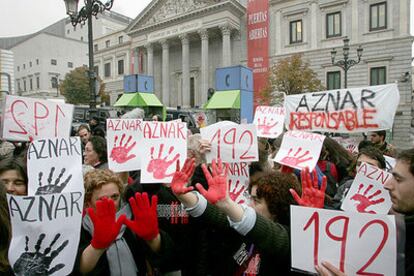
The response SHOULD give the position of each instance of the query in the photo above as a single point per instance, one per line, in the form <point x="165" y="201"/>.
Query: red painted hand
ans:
<point x="182" y="177"/>
<point x="297" y="158"/>
<point x="145" y="222"/>
<point x="365" y="200"/>
<point x="237" y="192"/>
<point x="312" y="196"/>
<point x="120" y="152"/>
<point x="217" y="182"/>
<point x="159" y="166"/>
<point x="105" y="226"/>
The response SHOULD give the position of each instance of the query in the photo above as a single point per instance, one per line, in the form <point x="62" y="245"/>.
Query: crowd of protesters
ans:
<point x="124" y="233"/>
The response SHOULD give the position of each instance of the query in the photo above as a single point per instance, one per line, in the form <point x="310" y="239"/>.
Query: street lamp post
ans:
<point x="91" y="8"/>
<point x="346" y="63"/>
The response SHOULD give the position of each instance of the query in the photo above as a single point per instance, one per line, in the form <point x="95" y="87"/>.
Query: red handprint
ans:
<point x="297" y="158"/>
<point x="365" y="200"/>
<point x="236" y="192"/>
<point x="265" y="127"/>
<point x="120" y="153"/>
<point x="158" y="167"/>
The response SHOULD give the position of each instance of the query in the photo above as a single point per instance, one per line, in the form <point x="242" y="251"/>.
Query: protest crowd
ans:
<point x="206" y="203"/>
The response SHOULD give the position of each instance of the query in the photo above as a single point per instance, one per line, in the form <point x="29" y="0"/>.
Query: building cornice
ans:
<point x="234" y="5"/>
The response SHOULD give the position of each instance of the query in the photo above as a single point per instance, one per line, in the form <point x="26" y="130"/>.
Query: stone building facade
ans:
<point x="182" y="42"/>
<point x="42" y="59"/>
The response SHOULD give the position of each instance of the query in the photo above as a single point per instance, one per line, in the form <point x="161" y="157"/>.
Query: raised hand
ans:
<point x="52" y="188"/>
<point x="217" y="182"/>
<point x="182" y="177"/>
<point x="38" y="262"/>
<point x="145" y="222"/>
<point x="105" y="225"/>
<point x="312" y="196"/>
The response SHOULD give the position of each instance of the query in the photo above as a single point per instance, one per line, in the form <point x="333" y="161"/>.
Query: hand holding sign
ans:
<point x="217" y="182"/>
<point x="312" y="196"/>
<point x="182" y="177"/>
<point x="105" y="225"/>
<point x="145" y="222"/>
<point x="38" y="262"/>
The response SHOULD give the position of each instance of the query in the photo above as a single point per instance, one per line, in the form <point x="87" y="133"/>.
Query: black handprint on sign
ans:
<point x="38" y="263"/>
<point x="52" y="188"/>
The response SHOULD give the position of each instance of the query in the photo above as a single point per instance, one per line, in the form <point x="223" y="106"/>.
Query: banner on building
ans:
<point x="345" y="110"/>
<point x="258" y="42"/>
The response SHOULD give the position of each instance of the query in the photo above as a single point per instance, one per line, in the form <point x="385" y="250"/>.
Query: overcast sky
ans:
<point x="19" y="17"/>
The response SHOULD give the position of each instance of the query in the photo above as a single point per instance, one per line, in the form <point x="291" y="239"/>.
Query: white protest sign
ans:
<point x="300" y="149"/>
<point x="367" y="193"/>
<point x="389" y="163"/>
<point x="163" y="144"/>
<point x="232" y="143"/>
<point x="29" y="119"/>
<point x="269" y="121"/>
<point x="54" y="166"/>
<point x="238" y="178"/>
<point x="123" y="138"/>
<point x="45" y="233"/>
<point x="357" y="244"/>
<point x="345" y="110"/>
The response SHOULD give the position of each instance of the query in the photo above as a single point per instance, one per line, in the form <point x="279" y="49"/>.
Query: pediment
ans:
<point x="159" y="11"/>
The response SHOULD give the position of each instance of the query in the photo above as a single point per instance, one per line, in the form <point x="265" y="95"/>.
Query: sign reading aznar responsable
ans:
<point x="346" y="110"/>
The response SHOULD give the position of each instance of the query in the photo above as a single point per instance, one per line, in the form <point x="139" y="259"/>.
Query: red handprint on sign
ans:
<point x="236" y="192"/>
<point x="366" y="200"/>
<point x="159" y="166"/>
<point x="265" y="127"/>
<point x="120" y="153"/>
<point x="297" y="158"/>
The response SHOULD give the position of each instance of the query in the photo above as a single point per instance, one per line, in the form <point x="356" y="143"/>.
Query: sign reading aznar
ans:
<point x="345" y="110"/>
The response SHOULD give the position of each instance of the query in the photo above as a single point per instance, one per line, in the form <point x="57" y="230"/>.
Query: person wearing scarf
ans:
<point x="116" y="237"/>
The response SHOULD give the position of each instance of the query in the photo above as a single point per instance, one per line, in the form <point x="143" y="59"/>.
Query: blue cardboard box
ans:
<point x="234" y="78"/>
<point x="246" y="106"/>
<point x="130" y="84"/>
<point x="145" y="84"/>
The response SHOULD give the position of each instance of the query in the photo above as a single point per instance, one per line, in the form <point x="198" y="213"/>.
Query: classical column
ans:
<point x="354" y="21"/>
<point x="136" y="60"/>
<point x="185" y="45"/>
<point x="165" y="72"/>
<point x="204" y="66"/>
<point x="404" y="15"/>
<point x="314" y="26"/>
<point x="278" y="36"/>
<point x="225" y="31"/>
<point x="150" y="59"/>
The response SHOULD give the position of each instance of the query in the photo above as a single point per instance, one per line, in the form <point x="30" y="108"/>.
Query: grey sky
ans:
<point x="19" y="17"/>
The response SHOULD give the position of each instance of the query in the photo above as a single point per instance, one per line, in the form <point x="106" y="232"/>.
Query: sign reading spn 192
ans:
<point x="345" y="110"/>
<point x="28" y="119"/>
